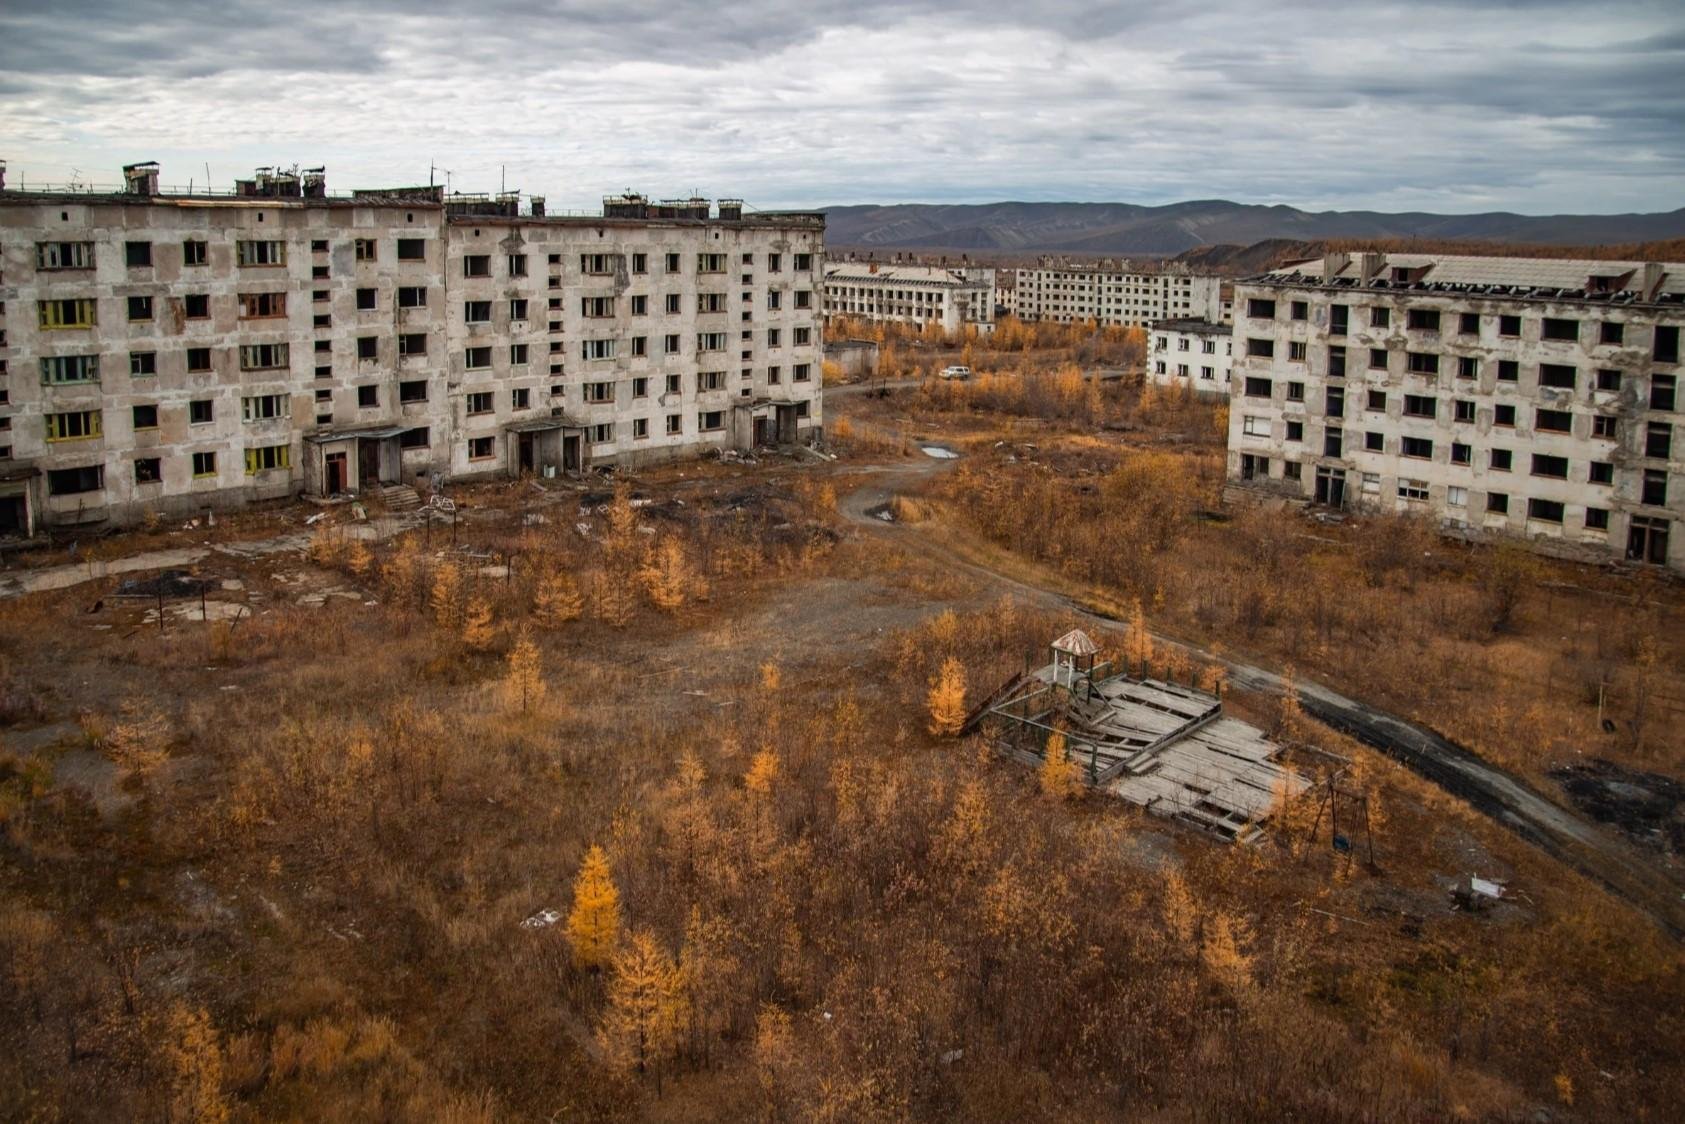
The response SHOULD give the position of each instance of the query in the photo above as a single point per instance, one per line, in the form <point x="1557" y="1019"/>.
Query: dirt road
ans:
<point x="1560" y="832"/>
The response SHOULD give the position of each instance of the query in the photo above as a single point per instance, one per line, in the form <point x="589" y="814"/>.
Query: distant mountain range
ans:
<point x="1124" y="228"/>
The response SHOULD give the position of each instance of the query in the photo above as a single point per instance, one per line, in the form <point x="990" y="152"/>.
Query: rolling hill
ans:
<point x="1126" y="228"/>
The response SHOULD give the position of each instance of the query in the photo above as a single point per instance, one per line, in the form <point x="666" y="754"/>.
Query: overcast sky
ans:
<point x="1538" y="107"/>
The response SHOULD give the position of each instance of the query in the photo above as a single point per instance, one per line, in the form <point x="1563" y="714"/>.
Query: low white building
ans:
<point x="912" y="294"/>
<point x="1536" y="398"/>
<point x="1196" y="354"/>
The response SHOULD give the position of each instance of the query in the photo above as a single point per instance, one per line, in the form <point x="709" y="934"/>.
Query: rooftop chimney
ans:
<point x="142" y="178"/>
<point x="1333" y="263"/>
<point x="1652" y="279"/>
<point x="1369" y="264"/>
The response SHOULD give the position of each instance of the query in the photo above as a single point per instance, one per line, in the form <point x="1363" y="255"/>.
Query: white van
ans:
<point x="956" y="372"/>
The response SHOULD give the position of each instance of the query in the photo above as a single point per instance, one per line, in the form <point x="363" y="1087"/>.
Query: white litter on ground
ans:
<point x="939" y="453"/>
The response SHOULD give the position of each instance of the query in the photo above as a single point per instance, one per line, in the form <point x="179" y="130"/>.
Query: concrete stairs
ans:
<point x="398" y="497"/>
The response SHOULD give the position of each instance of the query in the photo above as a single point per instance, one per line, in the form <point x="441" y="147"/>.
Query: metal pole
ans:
<point x="160" y="606"/>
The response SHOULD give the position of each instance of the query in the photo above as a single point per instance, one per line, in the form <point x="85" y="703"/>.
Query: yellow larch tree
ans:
<point x="556" y="601"/>
<point x="593" y="925"/>
<point x="645" y="1011"/>
<point x="477" y="628"/>
<point x="1058" y="774"/>
<point x="445" y="598"/>
<point x="358" y="558"/>
<point x="523" y="683"/>
<point x="763" y="771"/>
<point x="1137" y="641"/>
<point x="612" y="596"/>
<point x="947" y="699"/>
<point x="771" y="677"/>
<point x="668" y="577"/>
<point x="138" y="742"/>
<point x="192" y="1057"/>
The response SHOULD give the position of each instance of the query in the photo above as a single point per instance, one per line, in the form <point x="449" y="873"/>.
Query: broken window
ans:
<point x="1260" y="309"/>
<point x="1423" y="319"/>
<point x="479" y="402"/>
<point x="1260" y="348"/>
<point x="1509" y="325"/>
<point x="710" y="420"/>
<point x="1423" y="363"/>
<point x="417" y="438"/>
<point x="1553" y="421"/>
<point x="517" y="355"/>
<point x="1597" y="519"/>
<point x="1503" y="415"/>
<point x="366" y="249"/>
<point x="64" y="255"/>
<point x="710" y="263"/>
<point x="412" y="343"/>
<point x="1461" y="453"/>
<point x="1419" y="447"/>
<point x="1508" y="370"/>
<point x="75" y="481"/>
<point x="56" y="314"/>
<point x="596" y="308"/>
<point x="602" y="433"/>
<point x="1608" y="379"/>
<point x="476" y="358"/>
<point x="1502" y="460"/>
<point x="366" y="299"/>
<point x="1337" y="362"/>
<point x="198" y="359"/>
<point x="254" y="306"/>
<point x="1377" y="358"/>
<point x="412" y="249"/>
<point x="1338" y="319"/>
<point x="263" y="356"/>
<point x="1296" y="351"/>
<point x="143" y="363"/>
<point x="265" y="458"/>
<point x="476" y="265"/>
<point x="414" y="390"/>
<point x="1301" y="310"/>
<point x="136" y="254"/>
<point x="1602" y="472"/>
<point x="64" y="370"/>
<point x="1497" y="503"/>
<point x="1421" y="406"/>
<point x="260" y="253"/>
<point x="1333" y="441"/>
<point x="517" y="265"/>
<point x="1658" y="440"/>
<point x="1468" y="323"/>
<point x="476" y="312"/>
<point x="1258" y="388"/>
<point x="675" y="424"/>
<point x="1554" y="467"/>
<point x="596" y="349"/>
<point x="1380" y="317"/>
<point x="368" y="397"/>
<point x="368" y="347"/>
<point x="204" y="464"/>
<point x="482" y="448"/>
<point x="149" y="470"/>
<point x="1548" y="511"/>
<point x="1559" y="329"/>
<point x="195" y="252"/>
<point x="1611" y="331"/>
<point x="1557" y="376"/>
<point x="1655" y="488"/>
<point x="1412" y="489"/>
<point x="1662" y="391"/>
<point x="1374" y="442"/>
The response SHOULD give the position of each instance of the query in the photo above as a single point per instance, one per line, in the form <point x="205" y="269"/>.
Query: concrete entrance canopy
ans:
<point x="547" y="447"/>
<point x="763" y="421"/>
<point x="18" y="500"/>
<point x="345" y="461"/>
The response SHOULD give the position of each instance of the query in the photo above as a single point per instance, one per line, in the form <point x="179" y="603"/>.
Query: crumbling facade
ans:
<point x="166" y="351"/>
<point x="1118" y="294"/>
<point x="1193" y="354"/>
<point x="953" y="299"/>
<point x="1502" y="396"/>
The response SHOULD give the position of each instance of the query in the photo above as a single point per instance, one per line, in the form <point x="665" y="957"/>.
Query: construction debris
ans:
<point x="1165" y="746"/>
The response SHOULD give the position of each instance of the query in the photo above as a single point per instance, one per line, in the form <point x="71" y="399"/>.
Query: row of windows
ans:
<point x="150" y="470"/>
<point x="52" y="256"/>
<point x="77" y="425"/>
<point x="1663" y="394"/>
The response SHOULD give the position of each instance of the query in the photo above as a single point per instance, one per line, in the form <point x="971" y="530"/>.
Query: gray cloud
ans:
<point x="1452" y="105"/>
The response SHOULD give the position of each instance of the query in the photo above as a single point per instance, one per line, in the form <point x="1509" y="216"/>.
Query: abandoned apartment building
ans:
<point x="168" y="351"/>
<point x="1502" y="396"/>
<point x="1193" y="354"/>
<point x="953" y="299"/>
<point x="1167" y="747"/>
<point x="1118" y="294"/>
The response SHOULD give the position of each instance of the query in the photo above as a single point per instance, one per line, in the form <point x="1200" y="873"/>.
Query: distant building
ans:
<point x="912" y="294"/>
<point x="165" y="351"/>
<point x="1517" y="396"/>
<point x="1195" y="354"/>
<point x="1115" y="293"/>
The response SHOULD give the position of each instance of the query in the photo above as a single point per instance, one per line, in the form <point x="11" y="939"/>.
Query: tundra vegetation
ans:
<point x="655" y="808"/>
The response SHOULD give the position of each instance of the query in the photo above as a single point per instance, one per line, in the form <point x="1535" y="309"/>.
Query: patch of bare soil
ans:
<point x="1648" y="807"/>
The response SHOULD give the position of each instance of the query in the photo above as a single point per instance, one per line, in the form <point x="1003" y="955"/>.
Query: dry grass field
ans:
<point x="333" y="855"/>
